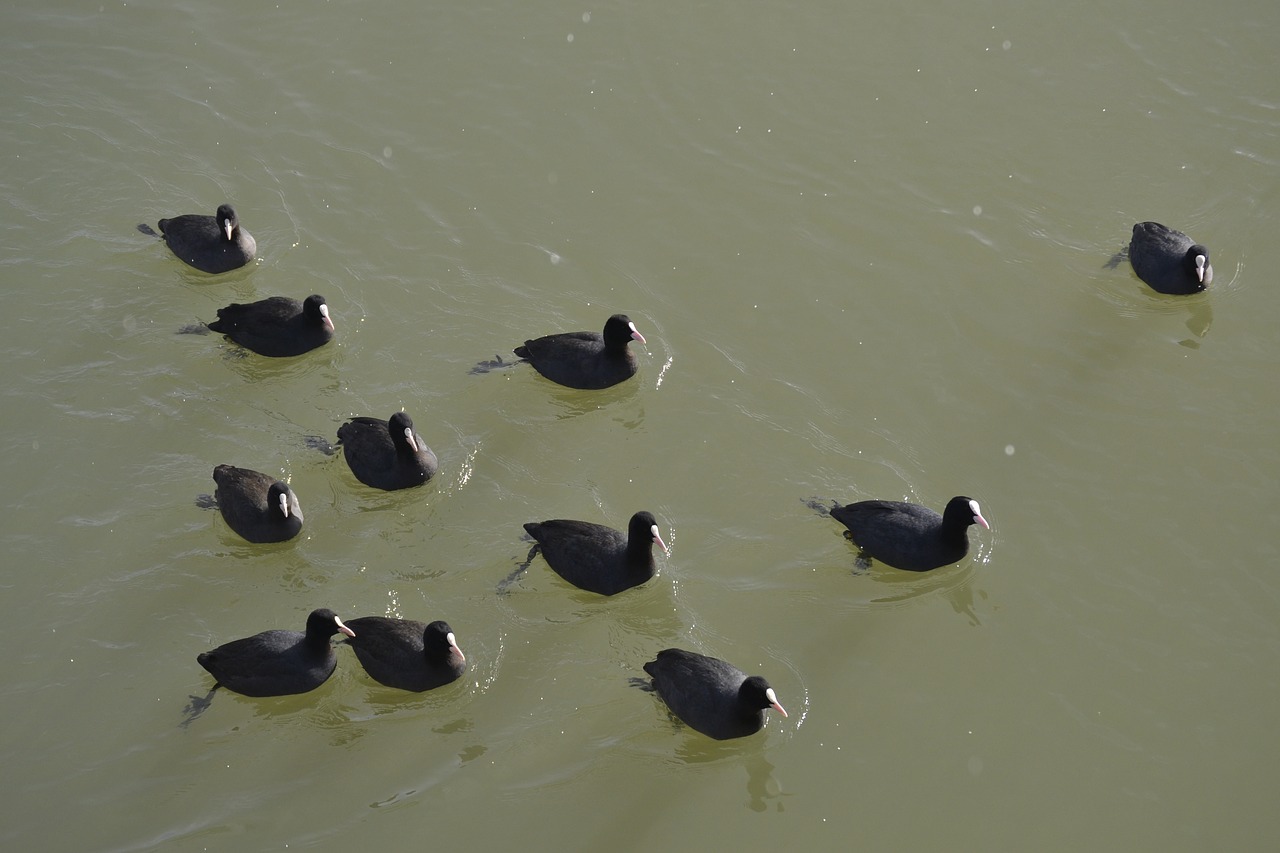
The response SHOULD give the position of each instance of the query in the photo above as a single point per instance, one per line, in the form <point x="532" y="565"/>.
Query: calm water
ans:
<point x="866" y="245"/>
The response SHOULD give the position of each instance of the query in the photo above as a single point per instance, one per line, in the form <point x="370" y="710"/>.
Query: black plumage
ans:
<point x="388" y="454"/>
<point x="255" y="505"/>
<point x="598" y="558"/>
<point x="278" y="663"/>
<point x="710" y="695"/>
<point x="277" y="326"/>
<point x="212" y="244"/>
<point x="909" y="536"/>
<point x="407" y="654"/>
<point x="1168" y="260"/>
<point x="586" y="360"/>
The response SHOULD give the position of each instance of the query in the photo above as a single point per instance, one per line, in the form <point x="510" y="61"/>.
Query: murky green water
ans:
<point x="866" y="246"/>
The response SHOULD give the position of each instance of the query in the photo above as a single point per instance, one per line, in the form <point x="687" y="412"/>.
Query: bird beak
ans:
<point x="228" y="228"/>
<point x="1203" y="269"/>
<point x="635" y="335"/>
<point x="324" y="317"/>
<point x="343" y="628"/>
<point x="284" y="504"/>
<point x="977" y="515"/>
<point x="657" y="537"/>
<point x="456" y="648"/>
<point x="773" y="700"/>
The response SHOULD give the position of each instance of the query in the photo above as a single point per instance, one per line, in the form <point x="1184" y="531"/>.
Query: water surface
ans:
<point x="866" y="246"/>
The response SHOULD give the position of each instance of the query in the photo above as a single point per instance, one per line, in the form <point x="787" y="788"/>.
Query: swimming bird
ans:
<point x="406" y="654"/>
<point x="258" y="507"/>
<point x="710" y="695"/>
<point x="909" y="536"/>
<point x="277" y="326"/>
<point x="1168" y="260"/>
<point x="598" y="558"/>
<point x="212" y="244"/>
<point x="387" y="454"/>
<point x="278" y="663"/>
<point x="586" y="360"/>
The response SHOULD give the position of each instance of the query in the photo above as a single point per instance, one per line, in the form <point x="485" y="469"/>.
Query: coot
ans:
<point x="388" y="454"/>
<point x="711" y="695"/>
<point x="911" y="537"/>
<point x="212" y="244"/>
<point x="1168" y="260"/>
<point x="598" y="558"/>
<point x="405" y="654"/>
<point x="278" y="663"/>
<point x="586" y="360"/>
<point x="278" y="326"/>
<point x="257" y="506"/>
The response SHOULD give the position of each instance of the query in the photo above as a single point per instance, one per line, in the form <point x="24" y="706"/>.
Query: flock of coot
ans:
<point x="707" y="694"/>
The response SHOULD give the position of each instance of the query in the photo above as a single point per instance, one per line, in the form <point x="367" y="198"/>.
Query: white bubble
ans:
<point x="1007" y="44"/>
<point x="555" y="259"/>
<point x="570" y="38"/>
<point x="1008" y="450"/>
<point x="977" y="210"/>
<point x="586" y="17"/>
<point x="386" y="153"/>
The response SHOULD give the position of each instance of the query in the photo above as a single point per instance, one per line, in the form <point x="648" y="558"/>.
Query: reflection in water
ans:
<point x="903" y="585"/>
<point x="761" y="784"/>
<point x="573" y="402"/>
<point x="628" y="413"/>
<point x="881" y="586"/>
<point x="1197" y="308"/>
<point x="1199" y="319"/>
<point x="961" y="599"/>
<point x="261" y="370"/>
<point x="641" y="630"/>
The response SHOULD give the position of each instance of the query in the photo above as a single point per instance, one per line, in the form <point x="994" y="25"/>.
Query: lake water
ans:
<point x="866" y="244"/>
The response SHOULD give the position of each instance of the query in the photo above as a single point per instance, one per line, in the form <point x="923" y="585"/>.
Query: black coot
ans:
<point x="710" y="695"/>
<point x="388" y="454"/>
<point x="278" y="663"/>
<point x="911" y="537"/>
<point x="257" y="506"/>
<point x="278" y="326"/>
<point x="586" y="360"/>
<point x="1168" y="260"/>
<point x="405" y="654"/>
<point x="598" y="558"/>
<point x="211" y="244"/>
